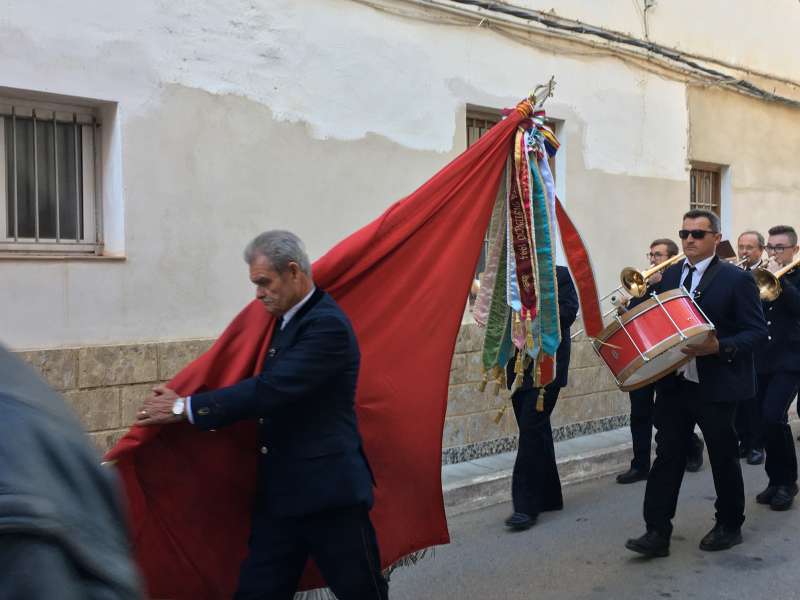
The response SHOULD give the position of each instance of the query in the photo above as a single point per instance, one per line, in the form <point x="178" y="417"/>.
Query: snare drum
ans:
<point x="645" y="343"/>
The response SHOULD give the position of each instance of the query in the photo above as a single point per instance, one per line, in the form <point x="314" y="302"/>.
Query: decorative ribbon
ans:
<point x="483" y="302"/>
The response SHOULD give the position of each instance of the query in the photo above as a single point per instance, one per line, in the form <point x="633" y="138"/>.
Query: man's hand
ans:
<point x="708" y="346"/>
<point x="157" y="408"/>
<point x="654" y="278"/>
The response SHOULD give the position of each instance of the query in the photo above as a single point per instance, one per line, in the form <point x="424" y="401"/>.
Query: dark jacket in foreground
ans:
<point x="310" y="454"/>
<point x="729" y="298"/>
<point x="62" y="531"/>
<point x="782" y="351"/>
<point x="568" y="306"/>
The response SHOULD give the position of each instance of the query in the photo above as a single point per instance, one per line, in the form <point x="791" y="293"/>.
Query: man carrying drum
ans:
<point x="705" y="390"/>
<point x="642" y="400"/>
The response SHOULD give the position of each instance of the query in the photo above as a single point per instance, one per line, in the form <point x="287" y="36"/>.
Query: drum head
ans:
<point x="662" y="363"/>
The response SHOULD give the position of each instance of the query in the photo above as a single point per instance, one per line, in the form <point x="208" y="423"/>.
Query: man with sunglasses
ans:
<point x="643" y="399"/>
<point x="705" y="390"/>
<point x="778" y="369"/>
<point x="748" y="415"/>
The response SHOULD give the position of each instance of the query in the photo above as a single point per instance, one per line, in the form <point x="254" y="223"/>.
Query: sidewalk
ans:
<point x="486" y="481"/>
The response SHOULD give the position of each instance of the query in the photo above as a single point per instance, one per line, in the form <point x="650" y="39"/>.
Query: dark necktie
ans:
<point x="687" y="281"/>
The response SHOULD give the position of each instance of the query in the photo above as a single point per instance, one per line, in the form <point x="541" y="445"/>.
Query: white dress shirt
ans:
<point x="689" y="370"/>
<point x="287" y="316"/>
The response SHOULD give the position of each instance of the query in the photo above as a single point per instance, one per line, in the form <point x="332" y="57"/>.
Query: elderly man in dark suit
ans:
<point x="535" y="485"/>
<point x="705" y="390"/>
<point x="314" y="482"/>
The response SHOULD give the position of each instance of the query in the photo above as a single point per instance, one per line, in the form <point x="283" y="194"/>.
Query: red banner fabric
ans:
<point x="403" y="280"/>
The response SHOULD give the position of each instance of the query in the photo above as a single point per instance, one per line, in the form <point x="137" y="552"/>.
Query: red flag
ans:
<point x="403" y="280"/>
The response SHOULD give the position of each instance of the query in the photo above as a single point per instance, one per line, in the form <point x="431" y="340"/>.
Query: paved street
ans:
<point x="579" y="553"/>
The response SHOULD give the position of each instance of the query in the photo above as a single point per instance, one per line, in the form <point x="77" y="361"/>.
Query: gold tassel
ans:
<point x="540" y="401"/>
<point x="500" y="414"/>
<point x="529" y="329"/>
<point x="519" y="367"/>
<point x="484" y="381"/>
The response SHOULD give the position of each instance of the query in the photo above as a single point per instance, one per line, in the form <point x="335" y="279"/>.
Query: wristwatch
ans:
<point x="179" y="406"/>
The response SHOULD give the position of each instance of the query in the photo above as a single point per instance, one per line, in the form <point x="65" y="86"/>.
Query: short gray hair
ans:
<point x="280" y="248"/>
<point x="758" y="235"/>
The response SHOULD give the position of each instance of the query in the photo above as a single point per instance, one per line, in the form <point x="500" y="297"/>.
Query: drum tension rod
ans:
<point x="669" y="316"/>
<point x="622" y="325"/>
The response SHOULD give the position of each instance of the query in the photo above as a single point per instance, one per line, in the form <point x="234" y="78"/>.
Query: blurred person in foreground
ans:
<point x="62" y="528"/>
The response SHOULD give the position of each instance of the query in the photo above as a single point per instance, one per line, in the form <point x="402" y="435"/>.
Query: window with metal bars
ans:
<point x="705" y="188"/>
<point x="49" y="178"/>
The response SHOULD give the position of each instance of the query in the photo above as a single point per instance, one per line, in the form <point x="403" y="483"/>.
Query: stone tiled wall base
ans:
<point x="475" y="425"/>
<point x="106" y="384"/>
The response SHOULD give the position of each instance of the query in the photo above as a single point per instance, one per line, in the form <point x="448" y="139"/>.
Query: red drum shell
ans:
<point x="656" y="332"/>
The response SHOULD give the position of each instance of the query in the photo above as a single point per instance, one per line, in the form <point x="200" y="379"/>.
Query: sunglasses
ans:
<point x="697" y="234"/>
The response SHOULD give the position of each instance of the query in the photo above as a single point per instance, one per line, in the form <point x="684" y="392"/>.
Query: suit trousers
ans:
<point x="535" y="485"/>
<point x="642" y="407"/>
<point x="749" y="425"/>
<point x="775" y="393"/>
<point x="342" y="543"/>
<point x="675" y="414"/>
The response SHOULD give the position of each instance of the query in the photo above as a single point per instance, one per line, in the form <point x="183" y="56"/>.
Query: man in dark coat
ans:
<point x="62" y="529"/>
<point x="314" y="488"/>
<point x="705" y="390"/>
<point x="535" y="485"/>
<point x="778" y="368"/>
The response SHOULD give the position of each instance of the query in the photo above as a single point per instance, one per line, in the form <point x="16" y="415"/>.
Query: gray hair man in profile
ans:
<point x="314" y="487"/>
<point x="62" y="529"/>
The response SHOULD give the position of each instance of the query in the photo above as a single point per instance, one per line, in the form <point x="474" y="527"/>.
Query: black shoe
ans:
<point x="783" y="497"/>
<point x="652" y="544"/>
<point x="765" y="497"/>
<point x="695" y="463"/>
<point x="721" y="538"/>
<point x="520" y="521"/>
<point x="755" y="457"/>
<point x="633" y="475"/>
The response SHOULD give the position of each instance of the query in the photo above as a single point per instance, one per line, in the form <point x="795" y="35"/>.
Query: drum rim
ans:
<point x="645" y="306"/>
<point x="663" y="346"/>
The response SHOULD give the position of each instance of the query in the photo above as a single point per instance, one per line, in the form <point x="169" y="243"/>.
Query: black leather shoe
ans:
<point x="695" y="463"/>
<point x="721" y="538"/>
<point x="765" y="497"/>
<point x="756" y="457"/>
<point x="652" y="545"/>
<point x="632" y="475"/>
<point x="520" y="521"/>
<point x="783" y="497"/>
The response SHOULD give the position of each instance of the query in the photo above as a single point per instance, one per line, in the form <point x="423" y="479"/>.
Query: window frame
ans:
<point x="715" y="170"/>
<point x="87" y="119"/>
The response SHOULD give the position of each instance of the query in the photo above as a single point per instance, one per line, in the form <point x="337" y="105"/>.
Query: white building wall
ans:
<point x="238" y="116"/>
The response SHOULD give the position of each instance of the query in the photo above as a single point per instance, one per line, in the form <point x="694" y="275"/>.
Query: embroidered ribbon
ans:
<point x="521" y="243"/>
<point x="496" y="246"/>
<point x="497" y="323"/>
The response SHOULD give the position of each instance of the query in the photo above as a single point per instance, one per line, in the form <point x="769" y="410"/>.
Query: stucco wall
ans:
<point x="241" y="116"/>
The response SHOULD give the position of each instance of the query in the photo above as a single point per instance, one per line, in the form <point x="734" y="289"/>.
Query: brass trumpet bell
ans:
<point x="635" y="282"/>
<point x="769" y="287"/>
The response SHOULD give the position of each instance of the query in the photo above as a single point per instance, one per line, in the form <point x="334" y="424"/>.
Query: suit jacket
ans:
<point x="567" y="313"/>
<point x="729" y="298"/>
<point x="310" y="454"/>
<point x="63" y="531"/>
<point x="782" y="350"/>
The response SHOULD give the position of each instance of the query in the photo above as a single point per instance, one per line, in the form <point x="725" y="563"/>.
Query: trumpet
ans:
<point x="635" y="282"/>
<point x="769" y="285"/>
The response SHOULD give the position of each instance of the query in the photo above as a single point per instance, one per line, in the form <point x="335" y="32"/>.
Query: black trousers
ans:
<point x="642" y="407"/>
<point x="775" y="393"/>
<point x="749" y="424"/>
<point x="342" y="543"/>
<point x="535" y="485"/>
<point x="676" y="413"/>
